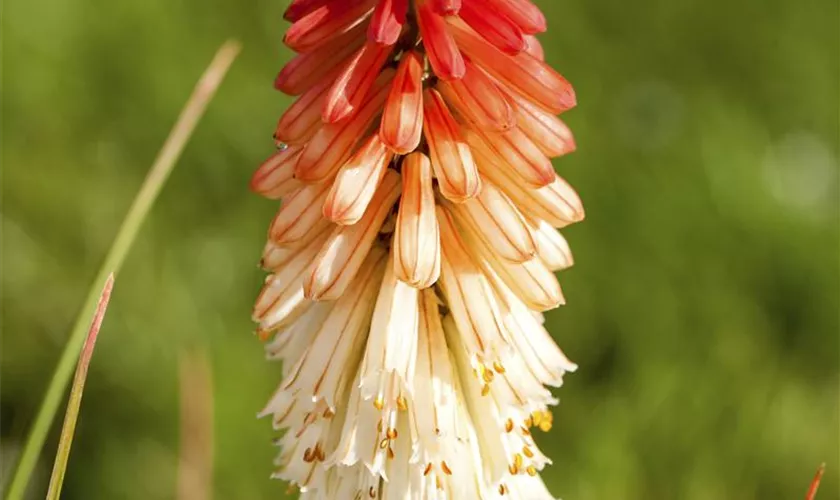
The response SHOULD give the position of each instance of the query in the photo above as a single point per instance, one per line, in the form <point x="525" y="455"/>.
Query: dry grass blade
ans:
<point x="195" y="465"/>
<point x="204" y="91"/>
<point x="71" y="416"/>
<point x="815" y="483"/>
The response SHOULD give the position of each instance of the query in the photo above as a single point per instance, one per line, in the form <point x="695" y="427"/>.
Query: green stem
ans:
<point x="162" y="167"/>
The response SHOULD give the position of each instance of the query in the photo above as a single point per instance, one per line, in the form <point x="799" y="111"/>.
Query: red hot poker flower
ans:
<point x="414" y="249"/>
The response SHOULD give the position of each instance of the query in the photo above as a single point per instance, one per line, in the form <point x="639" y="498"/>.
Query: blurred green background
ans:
<point x="703" y="309"/>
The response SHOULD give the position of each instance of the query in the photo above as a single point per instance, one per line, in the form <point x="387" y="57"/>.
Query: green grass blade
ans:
<point x="71" y="416"/>
<point x="159" y="172"/>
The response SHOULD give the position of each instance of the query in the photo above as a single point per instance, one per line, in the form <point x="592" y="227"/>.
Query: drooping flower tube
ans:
<point x="414" y="249"/>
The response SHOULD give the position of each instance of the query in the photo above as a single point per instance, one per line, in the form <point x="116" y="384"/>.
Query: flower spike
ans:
<point x="413" y="253"/>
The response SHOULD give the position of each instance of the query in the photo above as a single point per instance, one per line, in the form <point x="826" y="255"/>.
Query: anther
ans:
<point x="446" y="468"/>
<point x="428" y="469"/>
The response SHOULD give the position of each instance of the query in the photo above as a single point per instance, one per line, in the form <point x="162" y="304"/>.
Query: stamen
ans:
<point x="531" y="470"/>
<point x="428" y="469"/>
<point x="402" y="404"/>
<point x="509" y="425"/>
<point x="498" y="367"/>
<point x="527" y="451"/>
<point x="263" y="334"/>
<point x="446" y="468"/>
<point x="379" y="403"/>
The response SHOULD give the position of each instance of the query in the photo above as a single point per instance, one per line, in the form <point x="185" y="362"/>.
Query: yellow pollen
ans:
<point x="390" y="453"/>
<point x="438" y="484"/>
<point x="402" y="404"/>
<point x="513" y="469"/>
<point x="378" y="403"/>
<point x="527" y="451"/>
<point x="329" y="413"/>
<point x="537" y="418"/>
<point x="509" y="425"/>
<point x="498" y="367"/>
<point x="502" y="489"/>
<point x="428" y="469"/>
<point x="485" y="390"/>
<point x="545" y="426"/>
<point x="383" y="444"/>
<point x="487" y="375"/>
<point x="392" y="434"/>
<point x="525" y="431"/>
<point x="529" y="422"/>
<point x="531" y="470"/>
<point x="446" y="468"/>
<point x="263" y="335"/>
<point x="517" y="461"/>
